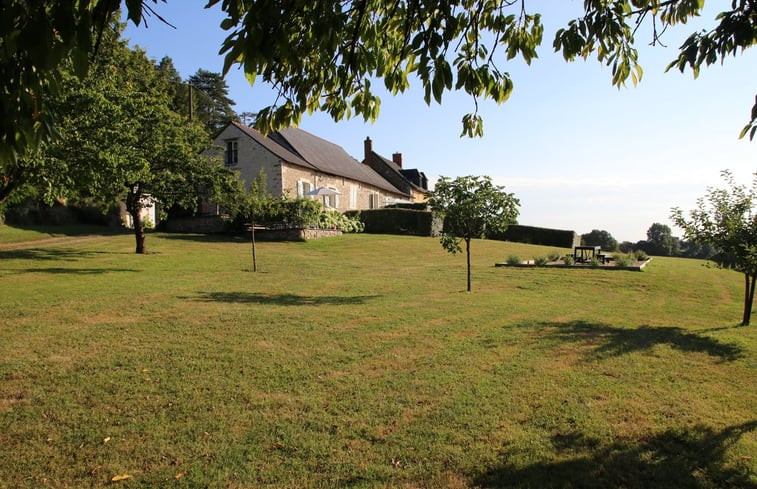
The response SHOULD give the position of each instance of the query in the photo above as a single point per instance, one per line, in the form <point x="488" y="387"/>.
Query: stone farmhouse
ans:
<point x="410" y="181"/>
<point x="296" y="162"/>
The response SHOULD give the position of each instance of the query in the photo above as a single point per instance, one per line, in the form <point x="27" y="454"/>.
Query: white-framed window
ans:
<point x="303" y="187"/>
<point x="373" y="201"/>
<point x="231" y="157"/>
<point x="353" y="197"/>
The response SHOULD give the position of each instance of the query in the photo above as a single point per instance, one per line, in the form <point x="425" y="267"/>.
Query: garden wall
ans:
<point x="294" y="234"/>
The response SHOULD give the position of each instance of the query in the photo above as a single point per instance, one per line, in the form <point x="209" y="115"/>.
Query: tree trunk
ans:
<point x="467" y="257"/>
<point x="252" y="233"/>
<point x="749" y="283"/>
<point x="139" y="232"/>
<point x="134" y="207"/>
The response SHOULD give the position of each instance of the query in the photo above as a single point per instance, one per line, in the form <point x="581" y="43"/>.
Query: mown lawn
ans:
<point x="360" y="362"/>
<point x="11" y="235"/>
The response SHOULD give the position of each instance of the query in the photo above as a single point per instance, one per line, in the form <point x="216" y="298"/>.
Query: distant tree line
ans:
<point x="660" y="242"/>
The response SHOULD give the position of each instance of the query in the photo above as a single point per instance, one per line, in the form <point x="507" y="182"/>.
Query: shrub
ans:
<point x="514" y="260"/>
<point x="569" y="260"/>
<point x="333" y="219"/>
<point x="641" y="255"/>
<point x="554" y="256"/>
<point x="541" y="261"/>
<point x="595" y="263"/>
<point x="296" y="213"/>
<point x="623" y="260"/>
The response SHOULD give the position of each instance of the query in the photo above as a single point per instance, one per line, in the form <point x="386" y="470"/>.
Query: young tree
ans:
<point x="727" y="220"/>
<point x="470" y="207"/>
<point x="256" y="204"/>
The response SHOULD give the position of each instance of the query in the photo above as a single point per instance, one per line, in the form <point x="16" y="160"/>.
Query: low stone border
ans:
<point x="295" y="234"/>
<point x="636" y="267"/>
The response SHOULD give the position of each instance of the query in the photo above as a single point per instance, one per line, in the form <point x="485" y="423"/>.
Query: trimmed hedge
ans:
<point x="538" y="236"/>
<point x="398" y="221"/>
<point x="417" y="206"/>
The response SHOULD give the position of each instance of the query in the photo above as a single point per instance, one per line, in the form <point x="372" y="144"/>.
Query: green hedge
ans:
<point x="417" y="206"/>
<point x="398" y="221"/>
<point x="539" y="236"/>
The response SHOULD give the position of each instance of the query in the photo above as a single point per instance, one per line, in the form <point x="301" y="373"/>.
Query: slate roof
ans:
<point x="272" y="146"/>
<point x="307" y="150"/>
<point x="330" y="158"/>
<point x="400" y="172"/>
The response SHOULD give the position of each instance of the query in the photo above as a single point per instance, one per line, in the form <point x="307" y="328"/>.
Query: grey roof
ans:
<point x="330" y="158"/>
<point x="307" y="150"/>
<point x="401" y="172"/>
<point x="273" y="147"/>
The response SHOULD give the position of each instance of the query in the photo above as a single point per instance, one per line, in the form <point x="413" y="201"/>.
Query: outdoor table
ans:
<point x="583" y="254"/>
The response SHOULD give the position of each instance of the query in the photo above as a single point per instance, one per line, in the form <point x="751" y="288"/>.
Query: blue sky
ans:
<point x="579" y="153"/>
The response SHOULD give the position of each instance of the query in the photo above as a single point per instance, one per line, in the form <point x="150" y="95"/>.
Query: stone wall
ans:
<point x="294" y="234"/>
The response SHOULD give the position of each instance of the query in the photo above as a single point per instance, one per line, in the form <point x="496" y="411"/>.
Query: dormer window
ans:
<point x="232" y="153"/>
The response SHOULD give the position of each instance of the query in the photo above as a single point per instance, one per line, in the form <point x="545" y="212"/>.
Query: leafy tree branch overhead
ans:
<point x="325" y="55"/>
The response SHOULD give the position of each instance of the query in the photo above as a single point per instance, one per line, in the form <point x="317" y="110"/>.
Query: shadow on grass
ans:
<point x="74" y="229"/>
<point x="612" y="341"/>
<point x="691" y="458"/>
<point x="68" y="271"/>
<point x="43" y="254"/>
<point x="280" y="299"/>
<point x="206" y="238"/>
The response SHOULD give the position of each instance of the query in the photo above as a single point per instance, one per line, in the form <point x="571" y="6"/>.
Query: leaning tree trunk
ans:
<point x="749" y="283"/>
<point x="134" y="207"/>
<point x="467" y="257"/>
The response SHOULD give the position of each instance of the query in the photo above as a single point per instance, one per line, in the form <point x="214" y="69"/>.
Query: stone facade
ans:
<point x="352" y="195"/>
<point x="295" y="178"/>
<point x="252" y="158"/>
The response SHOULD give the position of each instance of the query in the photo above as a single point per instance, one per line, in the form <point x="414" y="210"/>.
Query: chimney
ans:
<point x="397" y="159"/>
<point x="367" y="149"/>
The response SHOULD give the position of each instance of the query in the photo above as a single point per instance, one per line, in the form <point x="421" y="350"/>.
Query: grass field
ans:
<point x="360" y="362"/>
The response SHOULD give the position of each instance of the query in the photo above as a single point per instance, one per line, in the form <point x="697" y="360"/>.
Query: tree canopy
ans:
<point x="660" y="236"/>
<point x="727" y="220"/>
<point x="211" y="102"/>
<point x="120" y="138"/>
<point x="325" y="55"/>
<point x="471" y="206"/>
<point x="600" y="237"/>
